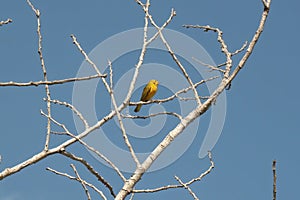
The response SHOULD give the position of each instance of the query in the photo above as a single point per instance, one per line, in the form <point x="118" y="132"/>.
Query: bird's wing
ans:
<point x="145" y="94"/>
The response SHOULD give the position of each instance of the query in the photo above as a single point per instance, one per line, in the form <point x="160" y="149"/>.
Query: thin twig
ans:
<point x="221" y="65"/>
<point x="86" y="125"/>
<point x="82" y="182"/>
<point x="77" y="44"/>
<point x="172" y="15"/>
<point x="255" y="38"/>
<point x="266" y="3"/>
<point x="274" y="179"/>
<point x="208" y="65"/>
<point x="85" y="55"/>
<point x="241" y="49"/>
<point x="187" y="187"/>
<point x="212" y="165"/>
<point x="91" y="169"/>
<point x="140" y="3"/>
<point x="40" y="52"/>
<point x="152" y="115"/>
<point x="76" y="179"/>
<point x="56" y="122"/>
<point x="98" y="154"/>
<point x="59" y="133"/>
<point x="131" y="197"/>
<point x="191" y="98"/>
<point x="102" y="157"/>
<point x="6" y="22"/>
<point x="54" y="82"/>
<point x="141" y="57"/>
<point x="125" y="137"/>
<point x="223" y="45"/>
<point x="200" y="177"/>
<point x="110" y="74"/>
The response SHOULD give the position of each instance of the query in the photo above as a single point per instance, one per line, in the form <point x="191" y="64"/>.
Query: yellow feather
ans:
<point x="148" y="92"/>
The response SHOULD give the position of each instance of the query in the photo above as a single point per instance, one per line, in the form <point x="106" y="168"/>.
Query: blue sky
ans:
<point x="262" y="105"/>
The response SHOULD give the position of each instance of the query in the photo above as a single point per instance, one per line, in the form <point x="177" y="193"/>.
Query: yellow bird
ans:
<point x="148" y="92"/>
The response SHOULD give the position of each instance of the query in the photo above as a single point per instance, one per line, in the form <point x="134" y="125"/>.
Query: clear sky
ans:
<point x="261" y="122"/>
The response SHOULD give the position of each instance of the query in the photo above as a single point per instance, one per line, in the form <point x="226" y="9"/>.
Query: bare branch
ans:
<point x="254" y="39"/>
<point x="274" y="179"/>
<point x="91" y="169"/>
<point x="266" y="3"/>
<point x="141" y="57"/>
<point x="34" y="159"/>
<point x="209" y="66"/>
<point x="59" y="133"/>
<point x="40" y="52"/>
<point x="212" y="165"/>
<point x="241" y="49"/>
<point x="86" y="125"/>
<point x="55" y="82"/>
<point x="221" y="65"/>
<point x="172" y="15"/>
<point x="82" y="182"/>
<point x="152" y="115"/>
<point x="6" y="22"/>
<point x="220" y="39"/>
<point x="76" y="179"/>
<point x="126" y="140"/>
<point x="131" y="197"/>
<point x="140" y="3"/>
<point x="110" y="74"/>
<point x="97" y="153"/>
<point x="85" y="55"/>
<point x="200" y="177"/>
<point x="191" y="98"/>
<point x="56" y="122"/>
<point x="187" y="187"/>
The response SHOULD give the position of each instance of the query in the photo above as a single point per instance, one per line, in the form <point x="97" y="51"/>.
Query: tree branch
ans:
<point x="202" y="108"/>
<point x="187" y="187"/>
<point x="91" y="169"/>
<point x="5" y="22"/>
<point x="199" y="178"/>
<point x="82" y="182"/>
<point x="274" y="179"/>
<point x="76" y="179"/>
<point x="54" y="82"/>
<point x="86" y="125"/>
<point x="126" y="140"/>
<point x="47" y="90"/>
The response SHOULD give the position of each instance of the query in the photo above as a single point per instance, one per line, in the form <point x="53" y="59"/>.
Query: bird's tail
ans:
<point x="137" y="108"/>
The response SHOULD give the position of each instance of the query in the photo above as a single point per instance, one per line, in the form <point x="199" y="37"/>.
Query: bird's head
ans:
<point x="155" y="82"/>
